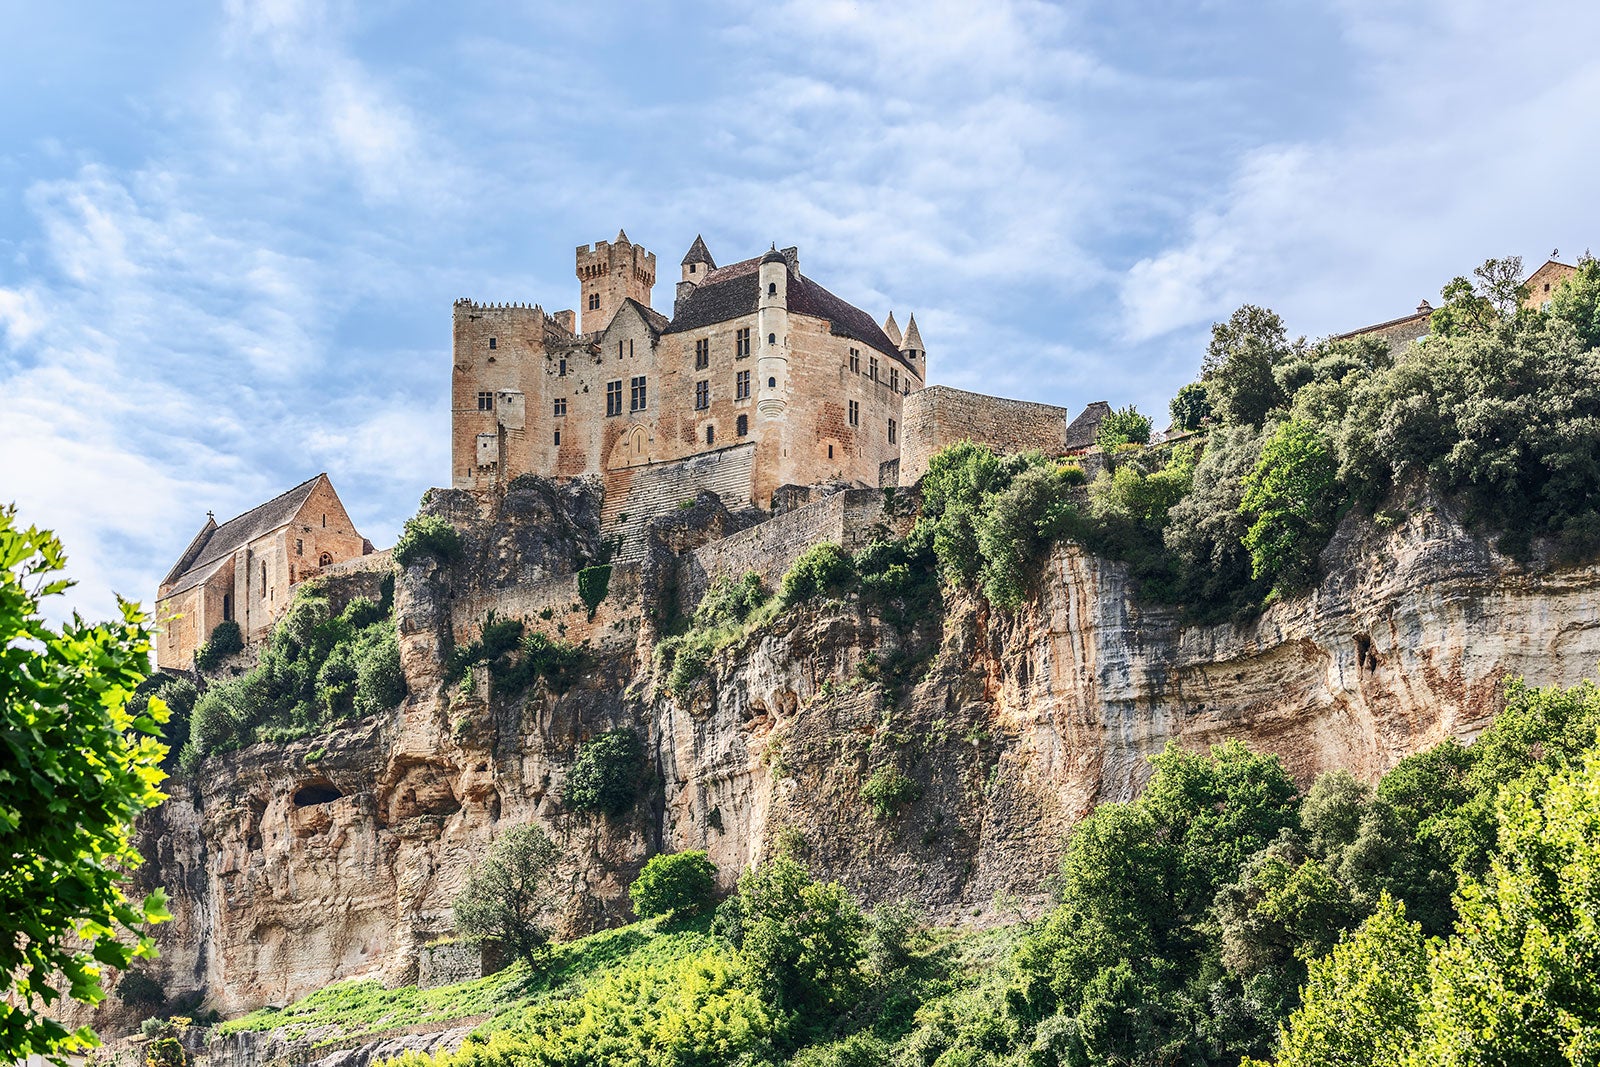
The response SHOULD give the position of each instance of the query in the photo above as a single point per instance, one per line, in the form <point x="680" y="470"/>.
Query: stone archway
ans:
<point x="632" y="448"/>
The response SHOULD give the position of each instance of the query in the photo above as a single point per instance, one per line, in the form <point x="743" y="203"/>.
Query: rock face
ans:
<point x="296" y="865"/>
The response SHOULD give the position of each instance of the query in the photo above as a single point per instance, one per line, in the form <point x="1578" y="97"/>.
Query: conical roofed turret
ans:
<point x="892" y="329"/>
<point x="699" y="253"/>
<point x="912" y="341"/>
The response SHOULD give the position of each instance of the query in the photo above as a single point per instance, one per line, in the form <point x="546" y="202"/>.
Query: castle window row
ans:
<point x="638" y="394"/>
<point x="854" y="413"/>
<point x="702" y="395"/>
<point x="741" y="342"/>
<point x="485" y="401"/>
<point x="741" y="388"/>
<point x="614" y="397"/>
<point x="855" y="361"/>
<point x="560" y="405"/>
<point x="702" y="353"/>
<point x="594" y="301"/>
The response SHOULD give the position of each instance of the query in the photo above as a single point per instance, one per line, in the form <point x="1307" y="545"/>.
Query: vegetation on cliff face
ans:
<point x="77" y="764"/>
<point x="316" y="669"/>
<point x="1444" y="916"/>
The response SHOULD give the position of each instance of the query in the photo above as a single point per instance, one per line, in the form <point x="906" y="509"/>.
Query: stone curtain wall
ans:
<point x="940" y="416"/>
<point x="850" y="519"/>
<point x="635" y="495"/>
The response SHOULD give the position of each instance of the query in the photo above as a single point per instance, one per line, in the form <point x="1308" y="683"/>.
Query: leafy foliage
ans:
<point x="887" y="791"/>
<point x="1123" y="426"/>
<point x="517" y="657"/>
<point x="820" y="570"/>
<point x="1239" y="366"/>
<point x="605" y="777"/>
<point x="76" y="766"/>
<point x="676" y="884"/>
<point x="316" y="669"/>
<point x="226" y="639"/>
<point x="593" y="584"/>
<point x="1191" y="408"/>
<point x="801" y="939"/>
<point x="504" y="899"/>
<point x="1291" y="496"/>
<point x="427" y="536"/>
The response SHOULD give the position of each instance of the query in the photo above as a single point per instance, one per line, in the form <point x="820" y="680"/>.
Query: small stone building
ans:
<point x="245" y="569"/>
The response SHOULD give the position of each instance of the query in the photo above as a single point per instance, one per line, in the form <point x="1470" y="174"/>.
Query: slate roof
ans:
<point x="699" y="253"/>
<point x="1081" y="431"/>
<point x="735" y="290"/>
<point x="215" y="544"/>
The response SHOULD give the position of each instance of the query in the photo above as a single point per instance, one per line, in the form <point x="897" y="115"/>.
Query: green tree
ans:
<point x="1015" y="526"/>
<point x="76" y="768"/>
<point x="802" y="939"/>
<point x="1206" y="528"/>
<point x="1191" y="408"/>
<point x="1516" y="982"/>
<point x="1291" y="496"/>
<point x="1361" y="1001"/>
<point x="1124" y="426"/>
<point x="676" y="884"/>
<point x="505" y="898"/>
<point x="1476" y="307"/>
<point x="1239" y="366"/>
<point x="1577" y="302"/>
<point x="606" y="775"/>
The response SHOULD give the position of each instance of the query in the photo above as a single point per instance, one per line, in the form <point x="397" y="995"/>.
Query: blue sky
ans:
<point x="230" y="234"/>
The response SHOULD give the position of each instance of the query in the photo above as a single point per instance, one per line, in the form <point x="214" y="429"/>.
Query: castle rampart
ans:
<point x="939" y="416"/>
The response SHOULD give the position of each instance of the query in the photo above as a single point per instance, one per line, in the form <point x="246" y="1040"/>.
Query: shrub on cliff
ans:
<point x="1124" y="426"/>
<point x="802" y="939"/>
<point x="427" y="536"/>
<point x="607" y="774"/>
<point x="887" y="791"/>
<point x="505" y="897"/>
<point x="77" y="769"/>
<point x="226" y="639"/>
<point x="677" y="885"/>
<point x="820" y="570"/>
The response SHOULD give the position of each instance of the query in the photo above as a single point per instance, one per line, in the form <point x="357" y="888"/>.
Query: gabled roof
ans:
<point x="735" y="290"/>
<point x="214" y="544"/>
<point x="1082" y="430"/>
<point x="699" y="253"/>
<point x="653" y="319"/>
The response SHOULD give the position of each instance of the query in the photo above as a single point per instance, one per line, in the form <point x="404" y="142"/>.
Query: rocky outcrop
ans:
<point x="295" y="865"/>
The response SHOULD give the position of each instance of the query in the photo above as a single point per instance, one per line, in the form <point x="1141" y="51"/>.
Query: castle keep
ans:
<point x="760" y="378"/>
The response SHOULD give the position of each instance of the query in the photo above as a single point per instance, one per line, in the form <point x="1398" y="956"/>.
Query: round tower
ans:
<point x="772" y="335"/>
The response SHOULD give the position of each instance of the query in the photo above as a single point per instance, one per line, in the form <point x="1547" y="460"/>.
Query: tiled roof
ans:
<point x="1081" y="431"/>
<point x="732" y="291"/>
<point x="699" y="253"/>
<point x="215" y="544"/>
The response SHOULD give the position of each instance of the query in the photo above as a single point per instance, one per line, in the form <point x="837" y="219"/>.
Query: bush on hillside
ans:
<point x="226" y="639"/>
<point x="677" y="885"/>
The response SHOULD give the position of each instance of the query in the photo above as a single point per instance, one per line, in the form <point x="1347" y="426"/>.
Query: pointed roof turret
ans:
<point x="622" y="237"/>
<point x="699" y="253"/>
<point x="912" y="342"/>
<point x="892" y="329"/>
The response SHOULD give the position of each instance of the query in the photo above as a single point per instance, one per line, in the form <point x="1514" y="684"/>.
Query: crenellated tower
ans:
<point x="610" y="272"/>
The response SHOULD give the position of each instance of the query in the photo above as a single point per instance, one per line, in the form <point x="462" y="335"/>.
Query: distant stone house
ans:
<point x="245" y="569"/>
<point x="1541" y="284"/>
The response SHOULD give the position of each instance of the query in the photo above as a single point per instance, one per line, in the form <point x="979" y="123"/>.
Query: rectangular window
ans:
<point x="830" y="451"/>
<point x="614" y="397"/>
<point x="491" y="344"/>
<point x="558" y="438"/>
<point x="702" y="353"/>
<point x="711" y="435"/>
<point x="638" y="394"/>
<point x="872" y="368"/>
<point x="855" y="361"/>
<point x="741" y="385"/>
<point x="299" y="547"/>
<point x="594" y="301"/>
<point x="563" y="370"/>
<point x="894" y="378"/>
<point x="741" y="342"/>
<point x="485" y="401"/>
<point x="560" y="405"/>
<point x="891" y="431"/>
<point x="855" y="413"/>
<point x="702" y="395"/>
<point x="742" y="426"/>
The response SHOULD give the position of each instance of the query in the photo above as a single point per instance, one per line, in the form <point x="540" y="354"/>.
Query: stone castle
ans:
<point x="761" y="378"/>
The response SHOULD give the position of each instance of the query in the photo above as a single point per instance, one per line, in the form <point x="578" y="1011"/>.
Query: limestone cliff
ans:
<point x="294" y="865"/>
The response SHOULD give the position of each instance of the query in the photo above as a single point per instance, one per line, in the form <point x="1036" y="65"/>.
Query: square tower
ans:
<point x="609" y="273"/>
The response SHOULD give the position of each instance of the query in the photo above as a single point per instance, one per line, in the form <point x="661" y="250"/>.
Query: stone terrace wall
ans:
<point x="635" y="495"/>
<point x="940" y="416"/>
<point x="850" y="519"/>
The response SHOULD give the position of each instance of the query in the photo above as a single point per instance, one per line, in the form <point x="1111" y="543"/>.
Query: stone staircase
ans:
<point x="661" y="488"/>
